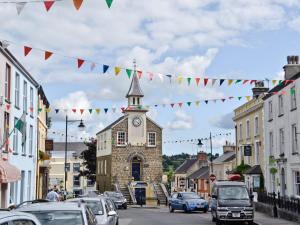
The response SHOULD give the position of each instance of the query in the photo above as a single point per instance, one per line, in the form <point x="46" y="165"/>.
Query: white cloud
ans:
<point x="224" y="121"/>
<point x="182" y="121"/>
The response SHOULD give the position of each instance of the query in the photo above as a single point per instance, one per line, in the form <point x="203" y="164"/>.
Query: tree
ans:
<point x="89" y="161"/>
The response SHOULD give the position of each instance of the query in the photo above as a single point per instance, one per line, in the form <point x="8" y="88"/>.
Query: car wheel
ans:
<point x="171" y="209"/>
<point x="125" y="206"/>
<point x="218" y="222"/>
<point x="205" y="210"/>
<point x="185" y="209"/>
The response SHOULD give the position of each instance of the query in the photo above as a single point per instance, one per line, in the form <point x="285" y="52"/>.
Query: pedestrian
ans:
<point x="52" y="196"/>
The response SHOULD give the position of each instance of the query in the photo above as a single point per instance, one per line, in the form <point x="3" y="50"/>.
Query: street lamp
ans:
<point x="81" y="127"/>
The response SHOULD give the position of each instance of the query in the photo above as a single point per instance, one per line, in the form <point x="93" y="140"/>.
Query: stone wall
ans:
<point x="104" y="180"/>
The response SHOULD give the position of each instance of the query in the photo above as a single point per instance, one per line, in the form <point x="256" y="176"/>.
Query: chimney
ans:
<point x="202" y="156"/>
<point x="259" y="89"/>
<point x="292" y="67"/>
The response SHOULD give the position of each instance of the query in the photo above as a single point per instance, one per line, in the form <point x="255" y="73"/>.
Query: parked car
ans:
<point x="117" y="198"/>
<point x="187" y="201"/>
<point x="101" y="208"/>
<point x="16" y="218"/>
<point x="61" y="213"/>
<point x="231" y="202"/>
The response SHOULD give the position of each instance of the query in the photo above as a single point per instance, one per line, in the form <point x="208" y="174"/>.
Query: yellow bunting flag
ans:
<point x="97" y="111"/>
<point x="48" y="110"/>
<point x="230" y="82"/>
<point x="77" y="3"/>
<point x="248" y="98"/>
<point x="180" y="79"/>
<point x="274" y="82"/>
<point x="197" y="103"/>
<point x="117" y="70"/>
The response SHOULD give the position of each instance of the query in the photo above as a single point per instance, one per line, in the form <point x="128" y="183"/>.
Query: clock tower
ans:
<point x="136" y="112"/>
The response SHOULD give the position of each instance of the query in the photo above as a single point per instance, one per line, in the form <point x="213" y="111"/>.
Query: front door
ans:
<point x="136" y="171"/>
<point x="140" y="196"/>
<point x="283" y="182"/>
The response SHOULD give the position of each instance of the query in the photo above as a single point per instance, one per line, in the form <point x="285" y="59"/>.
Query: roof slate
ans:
<point x="135" y="89"/>
<point x="202" y="173"/>
<point x="111" y="125"/>
<point x="254" y="170"/>
<point x="227" y="157"/>
<point x="183" y="168"/>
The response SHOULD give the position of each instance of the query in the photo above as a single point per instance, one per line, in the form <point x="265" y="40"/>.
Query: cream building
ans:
<point x="76" y="185"/>
<point x="249" y="123"/>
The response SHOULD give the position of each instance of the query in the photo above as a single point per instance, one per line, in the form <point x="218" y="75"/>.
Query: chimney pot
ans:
<point x="292" y="67"/>
<point x="289" y="60"/>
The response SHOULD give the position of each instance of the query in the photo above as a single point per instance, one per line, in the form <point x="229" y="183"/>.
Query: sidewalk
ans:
<point x="262" y="219"/>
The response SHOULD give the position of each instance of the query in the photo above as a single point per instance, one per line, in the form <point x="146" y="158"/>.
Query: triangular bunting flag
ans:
<point x="48" y="54"/>
<point x="215" y="100"/>
<point x="213" y="82"/>
<point x="20" y="6"/>
<point x="223" y="99"/>
<point x="197" y="80"/>
<point x="56" y="111"/>
<point x="7" y="106"/>
<point x="128" y="71"/>
<point x="229" y="82"/>
<point x="31" y="109"/>
<point x="172" y="105"/>
<point x="161" y="77"/>
<point x="106" y="110"/>
<point x="48" y="110"/>
<point x="180" y="104"/>
<point x="48" y="4"/>
<point x="81" y="111"/>
<point x="197" y="103"/>
<point x="117" y="70"/>
<point x="248" y="98"/>
<point x="80" y="62"/>
<point x="97" y="111"/>
<point x="122" y="109"/>
<point x="150" y="75"/>
<point x="114" y="109"/>
<point x="27" y="50"/>
<point x="74" y="110"/>
<point x="239" y="98"/>
<point x="205" y="81"/>
<point x="189" y="103"/>
<point x="238" y="81"/>
<point x="274" y="82"/>
<point x="221" y="81"/>
<point x="179" y="79"/>
<point x="93" y="66"/>
<point x="105" y="68"/>
<point x="90" y="110"/>
<point x="280" y="82"/>
<point x="40" y="110"/>
<point x="109" y="3"/>
<point x="286" y="82"/>
<point x="77" y="3"/>
<point x="245" y="81"/>
<point x="139" y="73"/>
<point x="206" y="101"/>
<point x="252" y="81"/>
<point x="189" y="80"/>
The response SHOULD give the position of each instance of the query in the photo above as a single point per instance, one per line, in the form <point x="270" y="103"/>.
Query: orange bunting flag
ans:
<point x="205" y="81"/>
<point x="117" y="70"/>
<point x="139" y="73"/>
<point x="48" y="54"/>
<point x="230" y="82"/>
<point x="197" y="80"/>
<point x="80" y="62"/>
<point x="77" y="3"/>
<point x="81" y="111"/>
<point x="27" y="50"/>
<point x="97" y="111"/>
<point x="48" y="4"/>
<point x="248" y="98"/>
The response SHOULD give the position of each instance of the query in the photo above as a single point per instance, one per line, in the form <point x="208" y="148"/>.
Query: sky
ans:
<point x="247" y="39"/>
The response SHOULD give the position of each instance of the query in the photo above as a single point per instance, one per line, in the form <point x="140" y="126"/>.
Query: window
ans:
<point x="16" y="137"/>
<point x="22" y="186"/>
<point x="17" y="91"/>
<point x="7" y="82"/>
<point x="24" y="142"/>
<point x="273" y="182"/>
<point x="271" y="140"/>
<point x="241" y="131"/>
<point x="67" y="167"/>
<point x="294" y="139"/>
<point x="6" y="128"/>
<point x="90" y="183"/>
<point x="29" y="186"/>
<point x="121" y="139"/>
<point x="297" y="183"/>
<point x="12" y="199"/>
<point x="133" y="101"/>
<point x="152" y="139"/>
<point x="138" y="101"/>
<point x="256" y="126"/>
<point x="101" y="164"/>
<point x="104" y="167"/>
<point x="293" y="98"/>
<point x="25" y="96"/>
<point x="99" y="167"/>
<point x="22" y="222"/>
<point x="30" y="140"/>
<point x="257" y="149"/>
<point x="270" y="110"/>
<point x="31" y="101"/>
<point x="76" y="181"/>
<point x="281" y="141"/>
<point x="248" y="128"/>
<point x="76" y="167"/>
<point x="280" y="105"/>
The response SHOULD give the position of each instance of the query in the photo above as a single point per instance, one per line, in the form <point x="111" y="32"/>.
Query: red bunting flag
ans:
<point x="197" y="80"/>
<point x="245" y="81"/>
<point x="81" y="111"/>
<point x="74" y="110"/>
<point x="123" y="109"/>
<point x="77" y="3"/>
<point x="48" y="54"/>
<point x="252" y="81"/>
<point x="180" y="104"/>
<point x="205" y="81"/>
<point x="27" y="50"/>
<point x="80" y="62"/>
<point x="150" y="75"/>
<point x="31" y="109"/>
<point x="283" y="92"/>
<point x="48" y="4"/>
<point x="139" y="74"/>
<point x="7" y="106"/>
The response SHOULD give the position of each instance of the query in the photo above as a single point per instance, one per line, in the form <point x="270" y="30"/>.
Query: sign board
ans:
<point x="212" y="177"/>
<point x="247" y="150"/>
<point x="49" y="145"/>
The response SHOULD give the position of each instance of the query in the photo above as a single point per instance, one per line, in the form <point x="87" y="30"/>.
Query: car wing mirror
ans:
<point x="251" y="196"/>
<point x="112" y="213"/>
<point x="214" y="196"/>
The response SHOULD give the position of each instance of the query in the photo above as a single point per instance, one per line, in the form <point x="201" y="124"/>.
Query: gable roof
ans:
<point x="202" y="173"/>
<point x="183" y="168"/>
<point x="227" y="157"/>
<point x="135" y="89"/>
<point x="112" y="125"/>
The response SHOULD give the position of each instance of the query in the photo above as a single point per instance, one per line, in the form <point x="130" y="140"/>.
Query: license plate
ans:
<point x="236" y="215"/>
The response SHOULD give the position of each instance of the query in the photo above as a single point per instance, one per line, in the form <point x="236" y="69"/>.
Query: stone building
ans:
<point x="130" y="149"/>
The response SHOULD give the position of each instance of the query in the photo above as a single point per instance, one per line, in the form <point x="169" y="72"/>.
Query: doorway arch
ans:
<point x="136" y="168"/>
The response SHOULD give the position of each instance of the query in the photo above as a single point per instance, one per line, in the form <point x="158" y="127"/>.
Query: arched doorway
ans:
<point x="283" y="182"/>
<point x="136" y="168"/>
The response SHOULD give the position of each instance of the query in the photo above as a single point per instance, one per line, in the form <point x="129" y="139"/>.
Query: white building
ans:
<point x="20" y="97"/>
<point x="282" y="118"/>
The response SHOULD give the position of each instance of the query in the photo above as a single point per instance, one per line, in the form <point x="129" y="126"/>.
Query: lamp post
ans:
<point x="81" y="127"/>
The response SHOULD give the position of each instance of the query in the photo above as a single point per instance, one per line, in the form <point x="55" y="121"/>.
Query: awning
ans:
<point x="8" y="172"/>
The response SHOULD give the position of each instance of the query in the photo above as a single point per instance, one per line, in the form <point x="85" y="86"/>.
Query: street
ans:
<point x="149" y="216"/>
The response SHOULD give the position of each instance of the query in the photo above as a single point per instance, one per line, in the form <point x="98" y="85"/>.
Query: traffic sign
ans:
<point x="212" y="177"/>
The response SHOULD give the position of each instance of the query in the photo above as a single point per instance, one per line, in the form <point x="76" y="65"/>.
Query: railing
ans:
<point x="281" y="202"/>
<point x="131" y="195"/>
<point x="163" y="187"/>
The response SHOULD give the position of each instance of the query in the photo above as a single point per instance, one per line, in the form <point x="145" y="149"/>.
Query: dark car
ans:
<point x="231" y="201"/>
<point x="187" y="201"/>
<point x="118" y="198"/>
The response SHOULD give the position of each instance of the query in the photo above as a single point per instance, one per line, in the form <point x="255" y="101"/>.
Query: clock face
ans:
<point x="137" y="121"/>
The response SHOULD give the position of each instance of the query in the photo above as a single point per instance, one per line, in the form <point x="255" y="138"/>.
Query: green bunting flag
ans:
<point x="90" y="110"/>
<point x="189" y="103"/>
<point x="280" y="82"/>
<point x="128" y="71"/>
<point x="189" y="80"/>
<point x="238" y="81"/>
<point x="239" y="98"/>
<point x="109" y="3"/>
<point x="40" y="110"/>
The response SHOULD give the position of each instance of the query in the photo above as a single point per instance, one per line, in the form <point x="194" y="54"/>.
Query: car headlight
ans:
<point x="125" y="200"/>
<point x="222" y="209"/>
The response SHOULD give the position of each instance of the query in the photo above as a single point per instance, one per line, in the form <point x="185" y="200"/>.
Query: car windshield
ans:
<point x="59" y="217"/>
<point x="96" y="207"/>
<point x="190" y="196"/>
<point x="233" y="193"/>
<point x="115" y="194"/>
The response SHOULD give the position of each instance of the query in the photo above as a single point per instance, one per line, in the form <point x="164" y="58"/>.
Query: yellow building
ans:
<point x="76" y="185"/>
<point x="42" y="179"/>
<point x="249" y="122"/>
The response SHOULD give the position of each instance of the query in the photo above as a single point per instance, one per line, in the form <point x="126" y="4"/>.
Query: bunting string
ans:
<point x="81" y="62"/>
<point x="195" y="140"/>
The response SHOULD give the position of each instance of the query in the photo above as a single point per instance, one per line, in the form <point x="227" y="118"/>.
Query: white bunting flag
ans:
<point x="161" y="77"/>
<point x="213" y="82"/>
<point x="20" y="6"/>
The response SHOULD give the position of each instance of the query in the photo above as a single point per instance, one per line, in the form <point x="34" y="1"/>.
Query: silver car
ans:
<point x="103" y="208"/>
<point x="61" y="213"/>
<point x="17" y="218"/>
